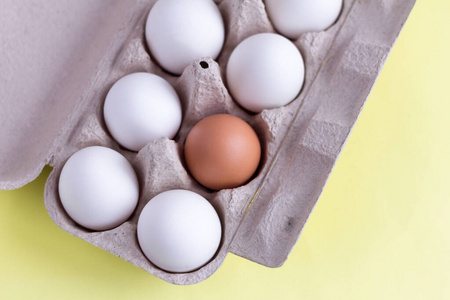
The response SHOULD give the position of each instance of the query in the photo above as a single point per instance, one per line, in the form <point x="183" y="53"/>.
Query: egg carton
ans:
<point x="59" y="59"/>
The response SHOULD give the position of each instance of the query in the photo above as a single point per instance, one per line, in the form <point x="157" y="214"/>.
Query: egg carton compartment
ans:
<point x="160" y="164"/>
<point x="300" y="142"/>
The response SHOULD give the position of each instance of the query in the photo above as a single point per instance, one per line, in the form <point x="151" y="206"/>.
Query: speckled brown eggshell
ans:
<point x="222" y="151"/>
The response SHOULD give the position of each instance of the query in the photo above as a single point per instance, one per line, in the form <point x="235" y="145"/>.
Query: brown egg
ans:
<point x="222" y="151"/>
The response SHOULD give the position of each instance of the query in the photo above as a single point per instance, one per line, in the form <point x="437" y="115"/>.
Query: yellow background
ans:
<point x="381" y="229"/>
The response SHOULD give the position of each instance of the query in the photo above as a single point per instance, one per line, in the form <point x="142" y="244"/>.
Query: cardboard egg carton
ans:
<point x="58" y="60"/>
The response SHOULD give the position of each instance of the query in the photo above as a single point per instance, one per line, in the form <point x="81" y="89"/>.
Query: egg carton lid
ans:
<point x="52" y="52"/>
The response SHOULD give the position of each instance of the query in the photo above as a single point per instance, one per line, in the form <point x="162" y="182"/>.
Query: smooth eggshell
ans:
<point x="179" y="231"/>
<point x="265" y="71"/>
<point x="179" y="32"/>
<point x="294" y="17"/>
<point x="222" y="151"/>
<point x="141" y="107"/>
<point x="98" y="188"/>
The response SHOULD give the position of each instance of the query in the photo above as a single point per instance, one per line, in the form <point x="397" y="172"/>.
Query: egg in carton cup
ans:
<point x="60" y="58"/>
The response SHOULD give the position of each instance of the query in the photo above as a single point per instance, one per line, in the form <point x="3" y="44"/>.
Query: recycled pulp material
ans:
<point x="59" y="59"/>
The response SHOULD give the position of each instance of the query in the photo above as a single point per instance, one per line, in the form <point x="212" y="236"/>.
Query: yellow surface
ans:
<point x="381" y="229"/>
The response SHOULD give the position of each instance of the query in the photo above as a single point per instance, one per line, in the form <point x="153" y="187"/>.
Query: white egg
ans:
<point x="98" y="188"/>
<point x="179" y="231"/>
<point x="180" y="31"/>
<point x="265" y="71"/>
<point x="141" y="107"/>
<point x="294" y="17"/>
